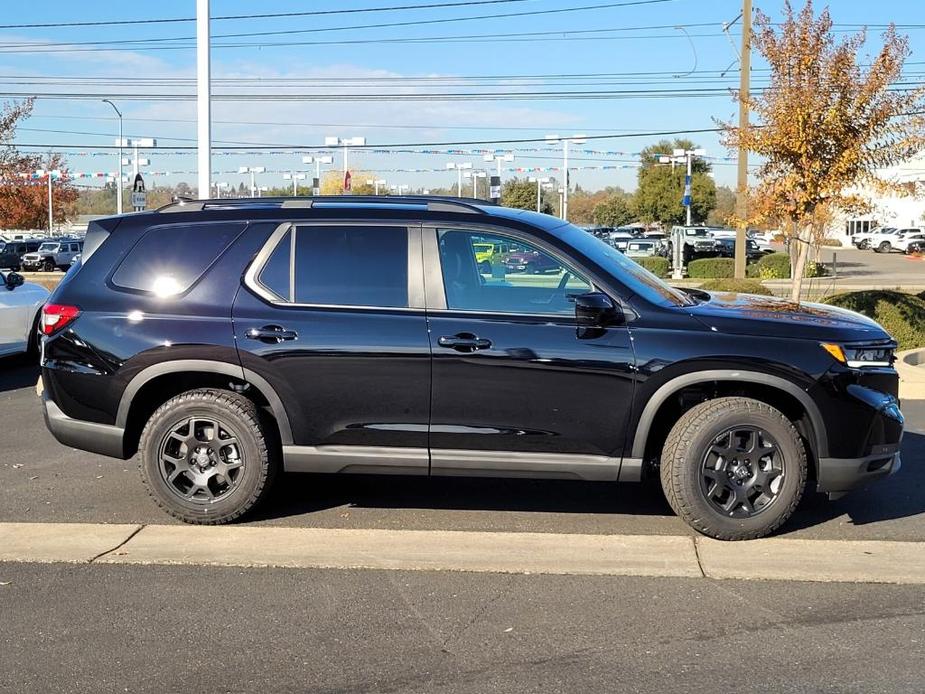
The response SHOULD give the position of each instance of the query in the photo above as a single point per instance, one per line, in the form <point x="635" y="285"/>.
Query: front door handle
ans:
<point x="464" y="342"/>
<point x="271" y="334"/>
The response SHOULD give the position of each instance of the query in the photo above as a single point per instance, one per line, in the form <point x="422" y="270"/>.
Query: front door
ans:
<point x="332" y="317"/>
<point x="518" y="389"/>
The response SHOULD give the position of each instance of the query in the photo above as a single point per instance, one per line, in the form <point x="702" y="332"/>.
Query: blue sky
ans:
<point x="688" y="59"/>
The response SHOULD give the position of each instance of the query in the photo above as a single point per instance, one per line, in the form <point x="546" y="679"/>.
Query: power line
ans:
<point x="270" y="15"/>
<point x="381" y="25"/>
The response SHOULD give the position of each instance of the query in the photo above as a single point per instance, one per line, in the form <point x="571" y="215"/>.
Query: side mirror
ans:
<point x="596" y="310"/>
<point x="13" y="280"/>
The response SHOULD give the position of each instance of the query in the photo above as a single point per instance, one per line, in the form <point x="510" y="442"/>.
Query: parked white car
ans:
<point x="865" y="241"/>
<point x="899" y="241"/>
<point x="20" y="304"/>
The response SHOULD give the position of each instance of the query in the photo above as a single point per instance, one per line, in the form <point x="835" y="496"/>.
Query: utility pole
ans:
<point x="745" y="61"/>
<point x="203" y="99"/>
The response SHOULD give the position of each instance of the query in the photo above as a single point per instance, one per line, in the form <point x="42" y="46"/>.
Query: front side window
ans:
<point x="351" y="266"/>
<point x="494" y="273"/>
<point x="48" y="248"/>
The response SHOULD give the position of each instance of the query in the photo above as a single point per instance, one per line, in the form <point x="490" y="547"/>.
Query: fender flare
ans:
<point x="671" y="387"/>
<point x="214" y="367"/>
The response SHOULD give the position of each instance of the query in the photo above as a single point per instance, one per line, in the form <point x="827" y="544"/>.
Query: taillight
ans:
<point x="57" y="316"/>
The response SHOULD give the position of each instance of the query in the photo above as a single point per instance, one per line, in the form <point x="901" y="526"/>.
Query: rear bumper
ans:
<point x="840" y="475"/>
<point x="104" y="439"/>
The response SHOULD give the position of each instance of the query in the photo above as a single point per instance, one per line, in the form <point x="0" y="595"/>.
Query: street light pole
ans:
<point x="50" y="215"/>
<point x="460" y="167"/>
<point x="119" y="182"/>
<point x="566" y="141"/>
<point x="540" y="182"/>
<point x="344" y="142"/>
<point x="203" y="99"/>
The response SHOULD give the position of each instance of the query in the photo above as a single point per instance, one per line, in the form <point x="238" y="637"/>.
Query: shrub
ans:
<point x="655" y="264"/>
<point x="774" y="266"/>
<point x="832" y="242"/>
<point x="734" y="285"/>
<point x="901" y="315"/>
<point x="711" y="268"/>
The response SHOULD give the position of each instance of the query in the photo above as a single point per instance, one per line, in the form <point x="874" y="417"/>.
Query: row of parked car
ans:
<point x="699" y="242"/>
<point x="910" y="240"/>
<point x="39" y="254"/>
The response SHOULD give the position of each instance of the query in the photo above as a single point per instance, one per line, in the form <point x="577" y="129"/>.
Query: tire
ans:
<point x="232" y="497"/>
<point x="685" y="473"/>
<point x="48" y="266"/>
<point x="484" y="268"/>
<point x="32" y="345"/>
<point x="884" y="247"/>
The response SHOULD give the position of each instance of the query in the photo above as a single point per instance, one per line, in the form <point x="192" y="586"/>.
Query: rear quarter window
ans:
<point x="168" y="260"/>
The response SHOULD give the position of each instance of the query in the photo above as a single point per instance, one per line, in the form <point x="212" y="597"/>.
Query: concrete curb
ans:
<point x="415" y="550"/>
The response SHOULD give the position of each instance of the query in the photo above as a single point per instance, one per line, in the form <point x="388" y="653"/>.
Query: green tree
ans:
<point x="521" y="194"/>
<point x="660" y="188"/>
<point x="725" y="207"/>
<point x="614" y="211"/>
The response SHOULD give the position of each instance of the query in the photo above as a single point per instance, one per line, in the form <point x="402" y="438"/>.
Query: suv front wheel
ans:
<point x="205" y="458"/>
<point x="733" y="468"/>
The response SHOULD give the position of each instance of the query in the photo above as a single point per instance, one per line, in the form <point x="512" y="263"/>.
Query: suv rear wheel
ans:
<point x="884" y="247"/>
<point x="205" y="457"/>
<point x="733" y="468"/>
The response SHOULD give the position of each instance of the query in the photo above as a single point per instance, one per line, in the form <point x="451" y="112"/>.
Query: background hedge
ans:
<point x="901" y="315"/>
<point x="734" y="285"/>
<point x="655" y="264"/>
<point x="776" y="266"/>
<point x="711" y="268"/>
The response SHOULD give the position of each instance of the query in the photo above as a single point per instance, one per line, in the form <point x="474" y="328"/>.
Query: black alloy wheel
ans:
<point x="742" y="472"/>
<point x="201" y="460"/>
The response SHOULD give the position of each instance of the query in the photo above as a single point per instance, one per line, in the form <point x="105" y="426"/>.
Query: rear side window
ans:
<point x="351" y="266"/>
<point x="275" y="273"/>
<point x="169" y="259"/>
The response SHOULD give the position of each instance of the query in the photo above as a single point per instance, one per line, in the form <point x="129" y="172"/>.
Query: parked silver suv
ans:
<point x="53" y="254"/>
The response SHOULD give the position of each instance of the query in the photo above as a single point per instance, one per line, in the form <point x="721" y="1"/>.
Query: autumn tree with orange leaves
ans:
<point x="23" y="200"/>
<point x="826" y="125"/>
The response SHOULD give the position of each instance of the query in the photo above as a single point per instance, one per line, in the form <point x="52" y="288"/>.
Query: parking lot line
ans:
<point x="495" y="552"/>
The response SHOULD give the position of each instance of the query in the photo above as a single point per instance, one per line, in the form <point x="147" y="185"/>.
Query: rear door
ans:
<point x="332" y="316"/>
<point x="518" y="389"/>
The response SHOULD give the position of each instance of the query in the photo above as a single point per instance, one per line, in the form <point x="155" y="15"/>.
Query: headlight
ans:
<point x="856" y="357"/>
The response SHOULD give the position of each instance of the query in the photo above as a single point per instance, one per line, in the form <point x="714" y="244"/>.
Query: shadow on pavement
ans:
<point x="899" y="496"/>
<point x="304" y="493"/>
<point x="17" y="372"/>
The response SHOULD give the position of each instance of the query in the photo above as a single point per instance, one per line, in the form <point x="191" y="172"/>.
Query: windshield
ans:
<point x="48" y="247"/>
<point x="636" y="278"/>
<point x="697" y="232"/>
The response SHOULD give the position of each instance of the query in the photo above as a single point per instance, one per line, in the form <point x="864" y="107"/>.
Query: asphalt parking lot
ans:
<point x="42" y="481"/>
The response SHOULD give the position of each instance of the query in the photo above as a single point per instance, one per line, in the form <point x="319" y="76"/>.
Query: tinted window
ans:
<point x="352" y="266"/>
<point x="488" y="272"/>
<point x="275" y="273"/>
<point x="169" y="259"/>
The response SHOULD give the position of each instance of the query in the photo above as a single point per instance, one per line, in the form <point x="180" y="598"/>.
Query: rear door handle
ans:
<point x="464" y="342"/>
<point x="271" y="334"/>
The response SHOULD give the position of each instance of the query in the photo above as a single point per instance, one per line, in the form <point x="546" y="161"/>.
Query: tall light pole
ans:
<point x="317" y="161"/>
<point x="252" y="170"/>
<point x="219" y="187"/>
<point x="475" y="176"/>
<point x="49" y="174"/>
<point x="684" y="156"/>
<point x="203" y="99"/>
<point x="494" y="185"/>
<point x="119" y="142"/>
<point x="459" y="167"/>
<point x="540" y="183"/>
<point x="566" y="141"/>
<point x="375" y="183"/>
<point x="345" y="142"/>
<point x="295" y="177"/>
<point x="401" y="188"/>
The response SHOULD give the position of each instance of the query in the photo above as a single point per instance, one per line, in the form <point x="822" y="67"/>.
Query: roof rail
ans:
<point x="434" y="203"/>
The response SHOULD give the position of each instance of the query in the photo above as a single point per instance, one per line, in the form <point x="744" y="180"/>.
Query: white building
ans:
<point x="890" y="210"/>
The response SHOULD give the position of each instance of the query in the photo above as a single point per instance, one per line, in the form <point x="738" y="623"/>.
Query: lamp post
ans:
<point x="119" y="143"/>
<point x="50" y="175"/>
<point x="679" y="156"/>
<point x="494" y="191"/>
<point x="252" y="170"/>
<point x="375" y="183"/>
<point x="566" y="141"/>
<point x="344" y="142"/>
<point x="400" y="188"/>
<point x="459" y="167"/>
<point x="475" y="176"/>
<point x="317" y="161"/>
<point x="540" y="183"/>
<point x="219" y="187"/>
<point x="295" y="177"/>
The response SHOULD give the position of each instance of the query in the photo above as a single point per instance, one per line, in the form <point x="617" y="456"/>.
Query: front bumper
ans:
<point x="840" y="475"/>
<point x="104" y="439"/>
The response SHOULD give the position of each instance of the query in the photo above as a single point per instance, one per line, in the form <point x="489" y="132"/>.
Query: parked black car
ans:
<point x="13" y="251"/>
<point x="225" y="340"/>
<point x="726" y="248"/>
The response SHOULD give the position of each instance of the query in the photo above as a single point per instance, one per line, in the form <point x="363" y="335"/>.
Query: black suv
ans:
<point x="228" y="340"/>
